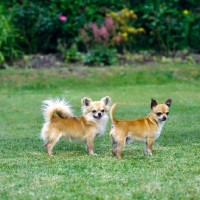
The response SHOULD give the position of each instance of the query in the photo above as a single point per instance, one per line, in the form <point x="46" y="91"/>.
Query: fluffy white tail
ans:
<point x="60" y="107"/>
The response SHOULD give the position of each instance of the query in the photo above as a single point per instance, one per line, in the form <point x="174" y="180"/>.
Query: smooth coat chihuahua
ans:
<point x="60" y="122"/>
<point x="146" y="129"/>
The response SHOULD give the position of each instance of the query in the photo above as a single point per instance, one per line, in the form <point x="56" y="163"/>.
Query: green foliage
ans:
<point x="71" y="54"/>
<point x="39" y="27"/>
<point x="102" y="39"/>
<point x="125" y="30"/>
<point x="193" y="30"/>
<point x="165" y="27"/>
<point x="101" y="56"/>
<point x="9" y="48"/>
<point x="99" y="42"/>
<point x="169" y="25"/>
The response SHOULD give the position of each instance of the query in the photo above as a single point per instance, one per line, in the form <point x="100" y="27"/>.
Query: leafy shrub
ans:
<point x="39" y="27"/>
<point x="99" y="42"/>
<point x="95" y="35"/>
<point x="126" y="31"/>
<point x="165" y="27"/>
<point x="9" y="48"/>
<point x="194" y="30"/>
<point x="69" y="54"/>
<point x="84" y="12"/>
<point x="168" y="24"/>
<point x="101" y="56"/>
<point x="101" y="39"/>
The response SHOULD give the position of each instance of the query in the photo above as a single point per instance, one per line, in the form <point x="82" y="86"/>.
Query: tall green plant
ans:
<point x="9" y="48"/>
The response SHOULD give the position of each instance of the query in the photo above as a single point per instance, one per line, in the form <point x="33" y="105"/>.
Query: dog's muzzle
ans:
<point x="99" y="115"/>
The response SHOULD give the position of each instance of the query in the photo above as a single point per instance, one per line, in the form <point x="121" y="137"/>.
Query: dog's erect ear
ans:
<point x="86" y="101"/>
<point x="106" y="100"/>
<point x="168" y="102"/>
<point x="153" y="103"/>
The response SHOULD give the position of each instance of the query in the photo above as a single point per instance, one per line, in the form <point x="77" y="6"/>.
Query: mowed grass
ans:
<point x="173" y="172"/>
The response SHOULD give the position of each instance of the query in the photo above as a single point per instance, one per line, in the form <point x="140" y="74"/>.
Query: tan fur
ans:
<point x="60" y="122"/>
<point x="146" y="129"/>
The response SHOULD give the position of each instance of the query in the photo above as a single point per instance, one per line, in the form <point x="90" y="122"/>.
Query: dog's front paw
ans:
<point x="148" y="152"/>
<point x="93" y="154"/>
<point x="114" y="153"/>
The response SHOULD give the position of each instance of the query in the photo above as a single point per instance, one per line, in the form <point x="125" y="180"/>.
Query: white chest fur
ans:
<point x="101" y="125"/>
<point x="159" y="130"/>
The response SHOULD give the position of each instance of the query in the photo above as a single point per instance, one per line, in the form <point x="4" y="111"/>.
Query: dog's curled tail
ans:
<point x="60" y="107"/>
<point x="112" y="113"/>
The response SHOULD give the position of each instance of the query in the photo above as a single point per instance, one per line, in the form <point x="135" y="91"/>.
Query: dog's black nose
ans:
<point x="164" y="118"/>
<point x="99" y="114"/>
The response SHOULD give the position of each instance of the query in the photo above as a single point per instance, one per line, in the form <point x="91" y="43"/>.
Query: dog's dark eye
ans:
<point x="94" y="111"/>
<point x="102" y="110"/>
<point x="167" y="113"/>
<point x="159" y="113"/>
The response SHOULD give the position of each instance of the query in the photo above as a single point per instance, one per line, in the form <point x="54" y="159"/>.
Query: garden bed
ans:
<point x="56" y="60"/>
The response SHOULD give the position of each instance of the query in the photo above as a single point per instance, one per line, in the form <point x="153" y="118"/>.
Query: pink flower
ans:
<point x="103" y="32"/>
<point x="110" y="24"/>
<point x="83" y="33"/>
<point x="95" y="30"/>
<point x="117" y="39"/>
<point x="84" y="36"/>
<point x="62" y="18"/>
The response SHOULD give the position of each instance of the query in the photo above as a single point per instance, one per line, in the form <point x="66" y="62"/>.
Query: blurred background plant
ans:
<point x="170" y="25"/>
<point x="35" y="27"/>
<point x="39" y="27"/>
<point x="101" y="56"/>
<point x="125" y="30"/>
<point x="168" y="28"/>
<point x="114" y="32"/>
<point x="9" y="48"/>
<point x="71" y="54"/>
<point x="98" y="41"/>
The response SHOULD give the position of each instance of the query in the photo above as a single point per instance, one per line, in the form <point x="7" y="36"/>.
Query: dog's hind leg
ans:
<point x="51" y="143"/>
<point x="46" y="146"/>
<point x="113" y="140"/>
<point x="119" y="148"/>
<point x="114" y="146"/>
<point x="45" y="136"/>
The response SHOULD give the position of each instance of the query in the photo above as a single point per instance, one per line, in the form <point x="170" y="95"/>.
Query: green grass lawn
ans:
<point x="173" y="172"/>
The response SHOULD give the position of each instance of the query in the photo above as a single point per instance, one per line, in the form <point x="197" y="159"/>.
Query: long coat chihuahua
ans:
<point x="146" y="129"/>
<point x="61" y="123"/>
